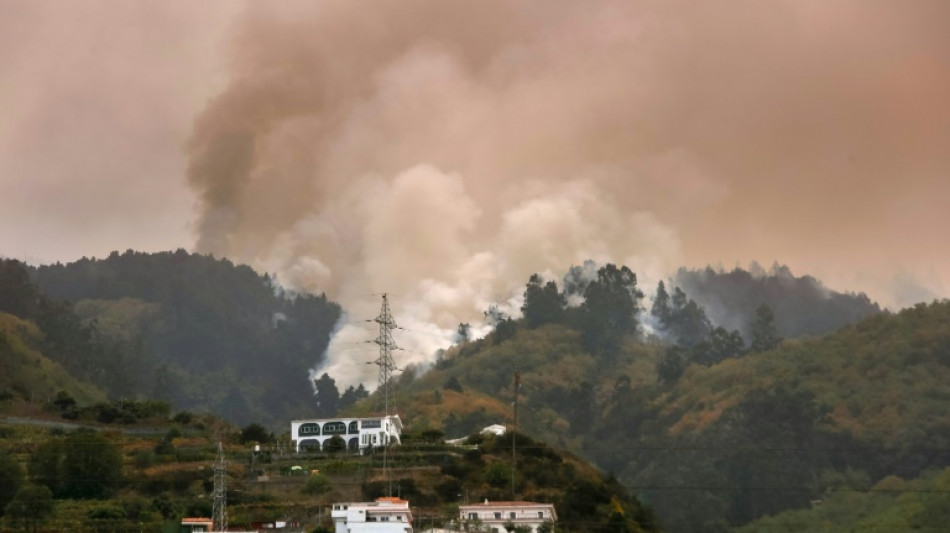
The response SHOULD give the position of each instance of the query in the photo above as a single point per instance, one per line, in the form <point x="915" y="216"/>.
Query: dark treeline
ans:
<point x="694" y="339"/>
<point x="329" y="401"/>
<point x="803" y="306"/>
<point x="606" y="306"/>
<point x="609" y="310"/>
<point x="200" y="332"/>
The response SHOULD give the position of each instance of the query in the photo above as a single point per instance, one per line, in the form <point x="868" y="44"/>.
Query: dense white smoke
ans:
<point x="443" y="151"/>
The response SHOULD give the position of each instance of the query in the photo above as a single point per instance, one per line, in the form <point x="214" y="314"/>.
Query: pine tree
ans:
<point x="661" y="306"/>
<point x="328" y="396"/>
<point x="763" y="330"/>
<point x="543" y="304"/>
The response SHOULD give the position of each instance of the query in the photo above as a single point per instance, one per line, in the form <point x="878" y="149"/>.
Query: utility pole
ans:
<point x="514" y="435"/>
<point x="220" y="503"/>
<point x="386" y="367"/>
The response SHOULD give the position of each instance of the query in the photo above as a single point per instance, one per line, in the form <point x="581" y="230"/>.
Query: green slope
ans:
<point x="724" y="444"/>
<point x="168" y="476"/>
<point x="921" y="505"/>
<point x="26" y="375"/>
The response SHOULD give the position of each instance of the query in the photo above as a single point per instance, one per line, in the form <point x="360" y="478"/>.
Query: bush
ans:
<point x="337" y="467"/>
<point x="255" y="433"/>
<point x="316" y="485"/>
<point x="12" y="475"/>
<point x="335" y="445"/>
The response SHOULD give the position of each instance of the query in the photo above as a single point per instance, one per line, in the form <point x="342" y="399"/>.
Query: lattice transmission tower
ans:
<point x="385" y="361"/>
<point x="220" y="503"/>
<point x="386" y="367"/>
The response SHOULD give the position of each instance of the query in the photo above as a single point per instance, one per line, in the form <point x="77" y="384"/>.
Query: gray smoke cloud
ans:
<point x="444" y="151"/>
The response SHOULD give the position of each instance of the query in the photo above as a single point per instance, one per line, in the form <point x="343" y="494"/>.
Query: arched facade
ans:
<point x="311" y="445"/>
<point x="358" y="433"/>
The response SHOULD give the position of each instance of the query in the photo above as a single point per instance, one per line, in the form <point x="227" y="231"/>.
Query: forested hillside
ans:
<point x="733" y="435"/>
<point x="714" y="424"/>
<point x="200" y="332"/>
<point x="920" y="505"/>
<point x="26" y="375"/>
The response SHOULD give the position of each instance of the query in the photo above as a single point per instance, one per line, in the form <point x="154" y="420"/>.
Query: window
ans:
<point x="498" y="516"/>
<point x="540" y="514"/>
<point x="309" y="429"/>
<point x="334" y="428"/>
<point x="512" y="515"/>
<point x="472" y="516"/>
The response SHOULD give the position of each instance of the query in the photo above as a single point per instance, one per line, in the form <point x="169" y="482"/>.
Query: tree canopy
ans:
<point x="543" y="303"/>
<point x="198" y="324"/>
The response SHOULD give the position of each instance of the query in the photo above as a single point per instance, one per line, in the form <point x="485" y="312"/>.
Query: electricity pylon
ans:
<point x="220" y="504"/>
<point x="386" y="347"/>
<point x="386" y="367"/>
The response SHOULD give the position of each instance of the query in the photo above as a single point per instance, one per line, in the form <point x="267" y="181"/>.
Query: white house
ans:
<point x="494" y="515"/>
<point x="357" y="433"/>
<point x="385" y="515"/>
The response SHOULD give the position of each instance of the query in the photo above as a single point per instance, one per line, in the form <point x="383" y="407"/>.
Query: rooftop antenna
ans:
<point x="386" y="367"/>
<point x="220" y="505"/>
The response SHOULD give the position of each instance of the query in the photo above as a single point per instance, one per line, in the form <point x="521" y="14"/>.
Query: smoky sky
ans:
<point x="443" y="151"/>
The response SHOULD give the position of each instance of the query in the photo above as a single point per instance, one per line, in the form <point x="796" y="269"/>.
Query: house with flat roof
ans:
<point x="493" y="516"/>
<point x="358" y="433"/>
<point x="195" y="524"/>
<point x="385" y="515"/>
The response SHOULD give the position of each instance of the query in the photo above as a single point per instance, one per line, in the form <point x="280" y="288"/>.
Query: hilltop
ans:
<point x="201" y="333"/>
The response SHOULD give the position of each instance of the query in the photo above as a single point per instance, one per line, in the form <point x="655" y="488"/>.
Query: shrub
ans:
<point x="316" y="485"/>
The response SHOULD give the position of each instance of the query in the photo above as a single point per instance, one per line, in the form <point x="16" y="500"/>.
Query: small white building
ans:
<point x="385" y="515"/>
<point x="494" y="515"/>
<point x="357" y="433"/>
<point x="494" y="429"/>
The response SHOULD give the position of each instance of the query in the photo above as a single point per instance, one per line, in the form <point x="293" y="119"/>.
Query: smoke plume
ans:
<point x="443" y="151"/>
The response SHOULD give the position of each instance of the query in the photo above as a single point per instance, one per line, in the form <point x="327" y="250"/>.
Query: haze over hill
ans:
<point x="445" y="151"/>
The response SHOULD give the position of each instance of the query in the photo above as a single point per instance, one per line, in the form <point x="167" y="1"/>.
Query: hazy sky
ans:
<point x="445" y="150"/>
